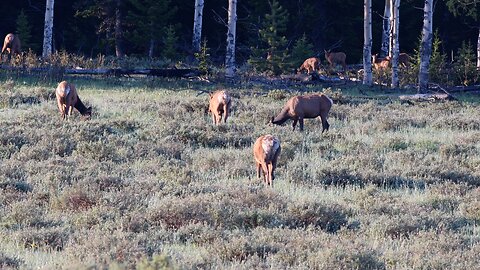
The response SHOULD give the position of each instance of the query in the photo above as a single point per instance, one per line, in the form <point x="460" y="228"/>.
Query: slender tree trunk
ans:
<point x="385" y="49"/>
<point x="232" y="26"/>
<point x="151" y="48"/>
<point x="395" y="51"/>
<point x="425" y="46"/>
<point x="119" y="47"/>
<point x="197" y="25"/>
<point x="367" y="42"/>
<point x="48" y="30"/>
<point x="478" y="50"/>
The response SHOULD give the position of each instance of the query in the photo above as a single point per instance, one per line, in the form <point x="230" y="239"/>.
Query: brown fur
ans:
<point x="266" y="151"/>
<point x="380" y="63"/>
<point x="67" y="99"/>
<point x="220" y="103"/>
<point x="309" y="106"/>
<point x="337" y="58"/>
<point x="310" y="64"/>
<point x="11" y="44"/>
<point x="404" y="59"/>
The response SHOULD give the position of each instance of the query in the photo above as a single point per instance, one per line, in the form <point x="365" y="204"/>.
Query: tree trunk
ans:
<point x="395" y="49"/>
<point x="478" y="50"/>
<point x="367" y="42"/>
<point x="119" y="47"/>
<point x="232" y="25"/>
<point x="197" y="25"/>
<point x="151" y="48"/>
<point x="425" y="46"/>
<point x="385" y="49"/>
<point x="48" y="30"/>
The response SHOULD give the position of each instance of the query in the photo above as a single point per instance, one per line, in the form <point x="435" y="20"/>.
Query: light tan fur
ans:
<point x="308" y="106"/>
<point x="380" y="63"/>
<point x="337" y="58"/>
<point x="11" y="44"/>
<point x="266" y="151"/>
<point x="220" y="103"/>
<point x="310" y="65"/>
<point x="67" y="99"/>
<point x="384" y="63"/>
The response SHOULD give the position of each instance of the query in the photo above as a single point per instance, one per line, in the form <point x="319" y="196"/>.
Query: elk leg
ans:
<point x="294" y="124"/>
<point x="225" y="112"/>
<point x="259" y="169"/>
<point x="301" y="123"/>
<point x="270" y="174"/>
<point x="265" y="174"/>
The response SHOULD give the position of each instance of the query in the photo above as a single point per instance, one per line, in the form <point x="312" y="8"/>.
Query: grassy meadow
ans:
<point x="150" y="183"/>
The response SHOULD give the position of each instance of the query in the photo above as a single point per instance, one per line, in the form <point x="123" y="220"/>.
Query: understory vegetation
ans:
<point x="150" y="183"/>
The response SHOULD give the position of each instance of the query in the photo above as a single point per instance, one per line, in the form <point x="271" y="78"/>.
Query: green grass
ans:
<point x="149" y="183"/>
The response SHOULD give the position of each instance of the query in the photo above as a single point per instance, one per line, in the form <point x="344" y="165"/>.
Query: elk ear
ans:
<point x="210" y="95"/>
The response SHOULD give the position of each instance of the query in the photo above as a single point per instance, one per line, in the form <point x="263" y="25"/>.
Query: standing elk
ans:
<point x="309" y="106"/>
<point x="11" y="44"/>
<point x="220" y="103"/>
<point x="380" y="63"/>
<point x="337" y="58"/>
<point x="310" y="64"/>
<point x="67" y="99"/>
<point x="266" y="151"/>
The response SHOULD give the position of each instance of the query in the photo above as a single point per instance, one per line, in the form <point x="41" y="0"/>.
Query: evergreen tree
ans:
<point x="301" y="51"/>
<point x="170" y="42"/>
<point x="150" y="18"/>
<point x="437" y="61"/>
<point x="24" y="30"/>
<point x="271" y="53"/>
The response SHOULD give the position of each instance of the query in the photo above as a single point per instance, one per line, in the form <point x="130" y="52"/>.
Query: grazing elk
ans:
<point x="220" y="103"/>
<point x="11" y="44"/>
<point x="266" y="151"/>
<point x="298" y="108"/>
<point x="380" y="63"/>
<point x="310" y="64"/>
<point x="67" y="99"/>
<point x="337" y="58"/>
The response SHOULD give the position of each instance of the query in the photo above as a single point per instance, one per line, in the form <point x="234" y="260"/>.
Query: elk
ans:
<point x="11" y="44"/>
<point x="310" y="64"/>
<point x="266" y="151"/>
<point x="220" y="103"/>
<point x="404" y="59"/>
<point x="337" y="58"/>
<point x="67" y="99"/>
<point x="380" y="63"/>
<point x="298" y="108"/>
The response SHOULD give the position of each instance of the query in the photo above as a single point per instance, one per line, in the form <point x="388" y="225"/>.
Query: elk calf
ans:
<point x="266" y="151"/>
<point x="220" y="103"/>
<point x="336" y="59"/>
<point x="310" y="64"/>
<point x="380" y="63"/>
<point x="11" y="44"/>
<point x="309" y="106"/>
<point x="67" y="99"/>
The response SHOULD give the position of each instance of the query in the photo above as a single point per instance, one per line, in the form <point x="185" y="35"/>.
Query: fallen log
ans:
<point x="426" y="97"/>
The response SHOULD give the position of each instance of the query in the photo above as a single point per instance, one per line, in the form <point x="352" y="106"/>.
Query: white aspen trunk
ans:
<point x="385" y="49"/>
<point x="119" y="51"/>
<point x="48" y="29"/>
<point x="232" y="26"/>
<point x="395" y="51"/>
<point x="478" y="50"/>
<point x="426" y="46"/>
<point x="367" y="42"/>
<point x="197" y="25"/>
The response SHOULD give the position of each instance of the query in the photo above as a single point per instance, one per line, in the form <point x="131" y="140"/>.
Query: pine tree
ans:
<point x="24" y="30"/>
<point x="272" y="52"/>
<point x="150" y="18"/>
<point x="170" y="41"/>
<point x="301" y="51"/>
